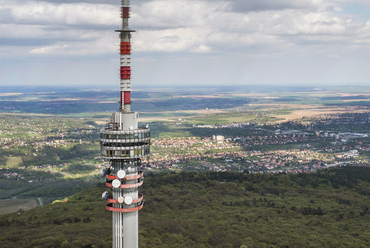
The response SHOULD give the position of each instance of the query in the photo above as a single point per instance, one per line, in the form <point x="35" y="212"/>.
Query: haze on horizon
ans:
<point x="186" y="42"/>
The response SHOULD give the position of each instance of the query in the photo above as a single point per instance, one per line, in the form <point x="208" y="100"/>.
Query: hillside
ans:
<point x="329" y="208"/>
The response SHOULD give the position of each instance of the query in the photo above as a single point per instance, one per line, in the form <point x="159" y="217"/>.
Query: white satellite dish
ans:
<point x="121" y="174"/>
<point x="129" y="169"/>
<point x="116" y="183"/>
<point x="102" y="172"/>
<point x="121" y="199"/>
<point x="104" y="196"/>
<point x="128" y="200"/>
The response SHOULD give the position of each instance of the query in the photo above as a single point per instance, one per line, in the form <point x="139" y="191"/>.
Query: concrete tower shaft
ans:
<point x="124" y="143"/>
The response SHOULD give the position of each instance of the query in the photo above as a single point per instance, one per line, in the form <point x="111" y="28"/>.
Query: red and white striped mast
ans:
<point x="123" y="143"/>
<point x="125" y="51"/>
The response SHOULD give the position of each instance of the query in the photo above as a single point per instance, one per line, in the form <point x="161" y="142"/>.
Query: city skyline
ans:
<point x="184" y="42"/>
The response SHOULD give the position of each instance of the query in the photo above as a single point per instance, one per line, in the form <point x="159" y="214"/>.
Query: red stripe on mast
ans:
<point x="127" y="97"/>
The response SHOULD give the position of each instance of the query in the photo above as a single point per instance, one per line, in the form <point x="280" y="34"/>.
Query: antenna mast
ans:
<point x="123" y="143"/>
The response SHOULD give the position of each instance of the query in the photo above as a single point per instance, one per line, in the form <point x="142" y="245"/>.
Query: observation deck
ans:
<point x="118" y="144"/>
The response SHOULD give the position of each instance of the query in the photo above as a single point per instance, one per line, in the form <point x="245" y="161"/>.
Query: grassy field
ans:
<point x="14" y="205"/>
<point x="13" y="162"/>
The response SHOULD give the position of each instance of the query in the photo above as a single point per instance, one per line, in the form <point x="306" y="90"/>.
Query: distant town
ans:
<point x="53" y="151"/>
<point x="281" y="149"/>
<point x="318" y="149"/>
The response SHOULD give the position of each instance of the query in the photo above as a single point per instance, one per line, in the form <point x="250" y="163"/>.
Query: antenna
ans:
<point x="124" y="153"/>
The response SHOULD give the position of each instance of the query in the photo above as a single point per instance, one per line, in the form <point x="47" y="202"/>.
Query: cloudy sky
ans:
<point x="186" y="42"/>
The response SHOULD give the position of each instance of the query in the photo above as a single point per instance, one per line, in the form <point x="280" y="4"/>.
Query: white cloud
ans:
<point x="64" y="29"/>
<point x="183" y="25"/>
<point x="202" y="49"/>
<point x="176" y="13"/>
<point x="84" y="48"/>
<point x="169" y="40"/>
<point x="37" y="12"/>
<point x="213" y="23"/>
<point x="263" y="5"/>
<point x="253" y="29"/>
<point x="334" y="56"/>
<point x="363" y="2"/>
<point x="49" y="49"/>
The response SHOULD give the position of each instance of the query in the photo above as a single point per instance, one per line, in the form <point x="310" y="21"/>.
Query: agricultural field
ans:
<point x="50" y="138"/>
<point x="19" y="205"/>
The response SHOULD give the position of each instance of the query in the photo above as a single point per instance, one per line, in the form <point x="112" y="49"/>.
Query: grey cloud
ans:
<point x="112" y="2"/>
<point x="117" y="2"/>
<point x="170" y="38"/>
<point x="6" y="16"/>
<point x="263" y="5"/>
<point x="24" y="42"/>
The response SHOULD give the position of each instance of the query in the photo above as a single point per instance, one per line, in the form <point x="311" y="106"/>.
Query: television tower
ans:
<point x="123" y="143"/>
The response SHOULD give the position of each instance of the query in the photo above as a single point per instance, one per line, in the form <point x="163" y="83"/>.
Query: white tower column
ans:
<point x="124" y="143"/>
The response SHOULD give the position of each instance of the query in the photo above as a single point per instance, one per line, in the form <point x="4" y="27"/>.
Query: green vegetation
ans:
<point x="47" y="185"/>
<point x="55" y="153"/>
<point x="62" y="154"/>
<point x="329" y="208"/>
<point x="171" y="129"/>
<point x="8" y="206"/>
<point x="223" y="118"/>
<point x="13" y="162"/>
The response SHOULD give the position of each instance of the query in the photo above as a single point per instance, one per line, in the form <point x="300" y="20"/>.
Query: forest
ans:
<point x="329" y="208"/>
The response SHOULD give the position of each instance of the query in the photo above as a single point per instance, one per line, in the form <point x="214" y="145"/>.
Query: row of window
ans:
<point x="126" y="154"/>
<point x="110" y="144"/>
<point x="125" y="136"/>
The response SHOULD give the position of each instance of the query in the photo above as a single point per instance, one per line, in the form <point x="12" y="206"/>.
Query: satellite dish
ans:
<point x="121" y="199"/>
<point x="102" y="172"/>
<point x="121" y="174"/>
<point x="128" y="200"/>
<point x="129" y="169"/>
<point x="104" y="196"/>
<point x="116" y="183"/>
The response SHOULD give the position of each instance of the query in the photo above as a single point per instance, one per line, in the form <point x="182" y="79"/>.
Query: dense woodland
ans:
<point x="329" y="208"/>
